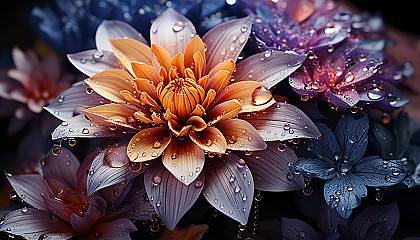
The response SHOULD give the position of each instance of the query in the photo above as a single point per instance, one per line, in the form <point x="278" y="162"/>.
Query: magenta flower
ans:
<point x="190" y="106"/>
<point x="61" y="207"/>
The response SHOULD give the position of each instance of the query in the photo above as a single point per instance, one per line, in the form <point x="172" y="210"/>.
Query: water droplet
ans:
<point x="387" y="178"/>
<point x="98" y="53"/>
<point x="72" y="142"/>
<point x="232" y="178"/>
<point x="302" y="234"/>
<point x="13" y="196"/>
<point x="329" y="28"/>
<point x="156" y="180"/>
<point x="304" y="98"/>
<point x="56" y="150"/>
<point x="89" y="90"/>
<point x="290" y="176"/>
<point x="174" y="156"/>
<point x="258" y="197"/>
<point x="308" y="190"/>
<point x="85" y="131"/>
<point x="157" y="144"/>
<point x="241" y="163"/>
<point x="286" y="126"/>
<point x="242" y="39"/>
<point x="61" y="99"/>
<point x="178" y="26"/>
<point x="244" y="28"/>
<point x="261" y="95"/>
<point x="198" y="184"/>
<point x="232" y="139"/>
<point x="376" y="93"/>
<point x="154" y="227"/>
<point x="267" y="53"/>
<point x="83" y="60"/>
<point x="237" y="189"/>
<point x="349" y="77"/>
<point x="134" y="166"/>
<point x="112" y="127"/>
<point x="97" y="234"/>
<point x="378" y="196"/>
<point x="209" y="142"/>
<point x="282" y="147"/>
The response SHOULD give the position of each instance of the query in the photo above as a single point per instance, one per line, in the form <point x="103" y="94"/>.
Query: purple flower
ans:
<point x="180" y="97"/>
<point x="62" y="208"/>
<point x="376" y="222"/>
<point x="338" y="159"/>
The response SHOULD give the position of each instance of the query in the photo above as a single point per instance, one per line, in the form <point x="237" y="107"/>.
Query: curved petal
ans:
<point x="223" y="111"/>
<point x="172" y="31"/>
<point x="302" y="84"/>
<point x="314" y="167"/>
<point x="93" y="61"/>
<point x="110" y="83"/>
<point x="218" y="81"/>
<point x="79" y="126"/>
<point x="82" y="224"/>
<point x="361" y="72"/>
<point x="57" y="207"/>
<point x="118" y="229"/>
<point x="63" y="166"/>
<point x="184" y="159"/>
<point x="195" y="45"/>
<point x="269" y="67"/>
<point x="102" y="175"/>
<point x="347" y="98"/>
<point x="294" y="229"/>
<point x="210" y="139"/>
<point x="240" y="135"/>
<point x="373" y="171"/>
<point x="282" y="121"/>
<point x="253" y="96"/>
<point x="352" y="136"/>
<point x="229" y="187"/>
<point x="143" y="70"/>
<point x="71" y="102"/>
<point x="29" y="187"/>
<point x="324" y="147"/>
<point x="144" y="85"/>
<point x="148" y="144"/>
<point x="270" y="168"/>
<point x="118" y="114"/>
<point x="128" y="50"/>
<point x="384" y="141"/>
<point x="32" y="223"/>
<point x="115" y="29"/>
<point x="371" y="223"/>
<point x="220" y="46"/>
<point x="170" y="197"/>
<point x="344" y="192"/>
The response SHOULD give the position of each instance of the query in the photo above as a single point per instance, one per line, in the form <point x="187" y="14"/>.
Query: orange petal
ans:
<point x="253" y="96"/>
<point x="169" y="115"/>
<point x="184" y="159"/>
<point x="178" y="62"/>
<point x="148" y="144"/>
<point x="190" y="74"/>
<point x="143" y="117"/>
<point x="195" y="45"/>
<point x="223" y="111"/>
<point x="210" y="139"/>
<point x="202" y="82"/>
<point x="211" y="94"/>
<point x="241" y="135"/>
<point x="197" y="123"/>
<point x="144" y="85"/>
<point x="163" y="57"/>
<point x="157" y="118"/>
<point x="198" y="111"/>
<point x="128" y="50"/>
<point x="228" y="65"/>
<point x="143" y="70"/>
<point x="219" y="80"/>
<point x="163" y="75"/>
<point x="199" y="63"/>
<point x="176" y="128"/>
<point x="113" y="114"/>
<point x="130" y="98"/>
<point x="110" y="83"/>
<point x="144" y="97"/>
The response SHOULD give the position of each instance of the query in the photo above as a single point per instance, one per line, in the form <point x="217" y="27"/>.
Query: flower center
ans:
<point x="78" y="201"/>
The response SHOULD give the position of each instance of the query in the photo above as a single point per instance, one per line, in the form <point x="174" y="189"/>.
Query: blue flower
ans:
<point x="338" y="159"/>
<point x="69" y="26"/>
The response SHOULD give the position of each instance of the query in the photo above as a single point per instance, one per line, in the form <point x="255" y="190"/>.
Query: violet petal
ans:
<point x="83" y="224"/>
<point x="118" y="229"/>
<point x="294" y="229"/>
<point x="170" y="198"/>
<point x="229" y="187"/>
<point x="63" y="166"/>
<point x="270" y="168"/>
<point x="91" y="62"/>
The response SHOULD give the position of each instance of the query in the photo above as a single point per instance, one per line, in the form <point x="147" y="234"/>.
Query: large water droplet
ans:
<point x="156" y="180"/>
<point x="376" y="93"/>
<point x="329" y="28"/>
<point x="349" y="77"/>
<point x="98" y="53"/>
<point x="261" y="95"/>
<point x="198" y="184"/>
<point x="178" y="26"/>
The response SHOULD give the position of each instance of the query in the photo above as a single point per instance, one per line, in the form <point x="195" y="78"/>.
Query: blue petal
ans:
<point x="324" y="147"/>
<point x="374" y="171"/>
<point x="313" y="167"/>
<point x="344" y="193"/>
<point x="384" y="141"/>
<point x="294" y="229"/>
<point x="352" y="136"/>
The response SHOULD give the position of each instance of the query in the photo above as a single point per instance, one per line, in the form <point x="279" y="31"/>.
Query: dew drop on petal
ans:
<point x="237" y="189"/>
<point x="241" y="163"/>
<point x="98" y="54"/>
<point x="85" y="131"/>
<point x="198" y="184"/>
<point x="261" y="95"/>
<point x="178" y="26"/>
<point x="232" y="139"/>
<point x="232" y="178"/>
<point x="349" y="77"/>
<point x="282" y="147"/>
<point x="156" y="180"/>
<point x="157" y="144"/>
<point x="244" y="28"/>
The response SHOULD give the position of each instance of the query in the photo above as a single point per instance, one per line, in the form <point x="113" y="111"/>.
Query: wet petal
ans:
<point x="226" y="41"/>
<point x="184" y="159"/>
<point x="300" y="82"/>
<point x="110" y="83"/>
<point x="82" y="224"/>
<point x="115" y="29"/>
<point x="218" y="80"/>
<point x="371" y="223"/>
<point x="294" y="229"/>
<point x="113" y="114"/>
<point x="94" y="61"/>
<point x="195" y="45"/>
<point x="314" y="167"/>
<point x="143" y="70"/>
<point x="253" y="96"/>
<point x="144" y="85"/>
<point x="268" y="67"/>
<point x="34" y="222"/>
<point x="344" y="192"/>
<point x="170" y="197"/>
<point x="71" y="102"/>
<point x="384" y="141"/>
<point x="270" y="168"/>
<point x="240" y="135"/>
<point x="162" y="55"/>
<point x="282" y="121"/>
<point x="63" y="166"/>
<point x="347" y="98"/>
<point x="57" y="207"/>
<point x="352" y="136"/>
<point x="118" y="229"/>
<point x="79" y="126"/>
<point x="29" y="187"/>
<point x="102" y="175"/>
<point x="172" y="31"/>
<point x="373" y="171"/>
<point x="210" y="139"/>
<point x="329" y="220"/>
<point x="223" y="111"/>
<point x="229" y="188"/>
<point x="128" y="50"/>
<point x="361" y="72"/>
<point x="148" y="144"/>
